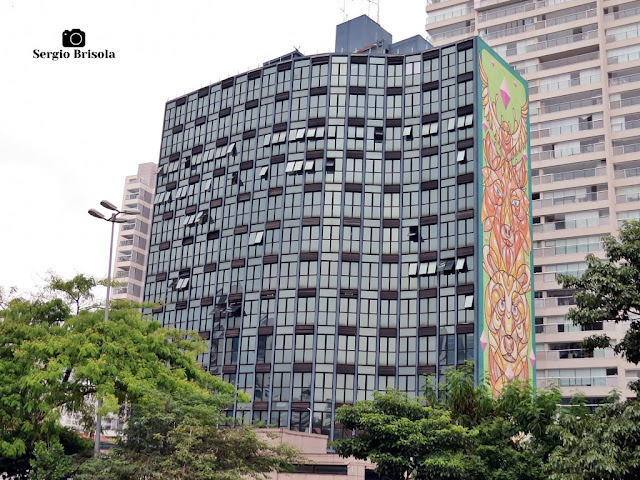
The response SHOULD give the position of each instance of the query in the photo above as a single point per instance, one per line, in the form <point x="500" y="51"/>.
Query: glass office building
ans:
<point x="318" y="222"/>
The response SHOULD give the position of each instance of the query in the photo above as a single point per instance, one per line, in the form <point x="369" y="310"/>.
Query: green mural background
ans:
<point x="506" y="332"/>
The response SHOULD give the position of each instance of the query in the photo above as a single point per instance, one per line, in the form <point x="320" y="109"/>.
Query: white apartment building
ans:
<point x="130" y="264"/>
<point x="582" y="61"/>
<point x="133" y="237"/>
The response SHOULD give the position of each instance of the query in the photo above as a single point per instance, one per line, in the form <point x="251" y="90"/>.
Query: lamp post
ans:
<point x="113" y="219"/>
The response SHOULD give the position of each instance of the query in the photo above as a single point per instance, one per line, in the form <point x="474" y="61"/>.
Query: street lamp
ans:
<point x="113" y="219"/>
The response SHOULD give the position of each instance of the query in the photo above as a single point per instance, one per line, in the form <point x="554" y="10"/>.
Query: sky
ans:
<point x="72" y="129"/>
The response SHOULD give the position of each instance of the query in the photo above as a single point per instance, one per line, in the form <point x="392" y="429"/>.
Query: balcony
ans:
<point x="569" y="128"/>
<point x="508" y="32"/>
<point x="551" y="277"/>
<point x="567" y="327"/>
<point x="630" y="12"/>
<point x="505" y="12"/>
<point x="562" y="62"/>
<point x="561" y="107"/>
<point x="567" y="152"/>
<point x="573" y="175"/>
<point x="122" y="274"/>
<point x="572" y="17"/>
<point x="544" y="252"/>
<point x="465" y="10"/>
<point x="556" y="42"/>
<point x="573" y="353"/>
<point x="561" y="84"/>
<point x="571" y="199"/>
<point x="625" y="102"/>
<point x="544" y="277"/>
<point x="624" y="149"/>
<point x="124" y="243"/>
<point x="632" y="78"/>
<point x="618" y="37"/>
<point x="628" y="198"/>
<point x="627" y="173"/>
<point x="621" y="220"/>
<point x="124" y="258"/>
<point x="552" y="302"/>
<point x="628" y="380"/>
<point x="625" y="57"/>
<point x="555" y="250"/>
<point x="451" y="33"/>
<point x="500" y="13"/>
<point x="625" y="125"/>
<point x="128" y="226"/>
<point x="610" y="381"/>
<point x="570" y="224"/>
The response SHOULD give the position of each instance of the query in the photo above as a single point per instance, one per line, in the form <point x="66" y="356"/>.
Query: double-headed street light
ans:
<point x="113" y="219"/>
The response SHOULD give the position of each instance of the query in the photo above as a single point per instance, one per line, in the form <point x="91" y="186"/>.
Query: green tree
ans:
<point x="27" y="404"/>
<point x="178" y="436"/>
<point x="49" y="462"/>
<point x="604" y="445"/>
<point x="77" y="290"/>
<point x="461" y="432"/>
<point x="609" y="290"/>
<point x="467" y="402"/>
<point x="405" y="438"/>
<point x="51" y="360"/>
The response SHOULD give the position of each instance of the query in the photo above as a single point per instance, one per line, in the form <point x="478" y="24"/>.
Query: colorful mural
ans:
<point x="506" y="338"/>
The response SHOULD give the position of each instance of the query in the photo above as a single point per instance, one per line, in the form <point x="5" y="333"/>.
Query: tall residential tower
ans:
<point x="582" y="61"/>
<point x="133" y="237"/>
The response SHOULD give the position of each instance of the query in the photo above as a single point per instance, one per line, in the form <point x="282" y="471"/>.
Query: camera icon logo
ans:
<point x="74" y="38"/>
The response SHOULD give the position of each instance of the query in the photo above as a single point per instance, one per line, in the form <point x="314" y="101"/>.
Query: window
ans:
<point x="465" y="347"/>
<point x="427" y="354"/>
<point x="304" y="349"/>
<point x="407" y="132"/>
<point x="181" y="284"/>
<point x="346" y="349"/>
<point x="256" y="238"/>
<point x="387" y="355"/>
<point x="301" y="391"/>
<point x="447" y="349"/>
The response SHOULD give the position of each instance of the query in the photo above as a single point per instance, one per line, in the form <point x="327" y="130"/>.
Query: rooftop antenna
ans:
<point x="343" y="10"/>
<point x="377" y="4"/>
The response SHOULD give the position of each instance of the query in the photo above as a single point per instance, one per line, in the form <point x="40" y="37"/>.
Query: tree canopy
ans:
<point x="178" y="436"/>
<point x="51" y="360"/>
<point x="458" y="432"/>
<point x="603" y="445"/>
<point x="77" y="290"/>
<point x="403" y="437"/>
<point x="609" y="290"/>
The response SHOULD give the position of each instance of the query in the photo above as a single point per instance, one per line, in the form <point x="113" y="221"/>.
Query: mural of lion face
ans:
<point x="506" y="336"/>
<point x="505" y="213"/>
<point x="507" y="314"/>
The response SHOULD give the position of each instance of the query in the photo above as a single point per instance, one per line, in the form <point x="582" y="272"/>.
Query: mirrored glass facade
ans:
<point x="316" y="221"/>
